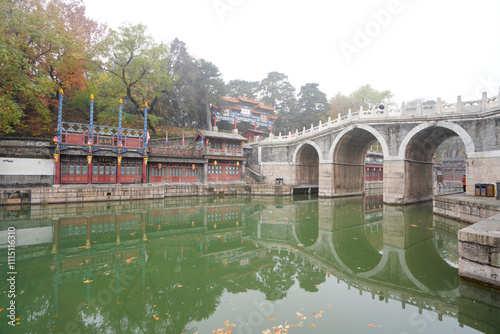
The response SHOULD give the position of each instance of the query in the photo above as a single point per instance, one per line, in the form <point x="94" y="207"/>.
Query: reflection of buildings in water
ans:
<point x="88" y="246"/>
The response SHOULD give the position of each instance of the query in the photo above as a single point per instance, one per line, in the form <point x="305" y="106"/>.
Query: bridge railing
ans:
<point x="439" y="108"/>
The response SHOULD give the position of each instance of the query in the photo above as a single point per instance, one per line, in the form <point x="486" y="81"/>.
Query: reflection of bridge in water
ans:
<point x="402" y="254"/>
<point x="396" y="253"/>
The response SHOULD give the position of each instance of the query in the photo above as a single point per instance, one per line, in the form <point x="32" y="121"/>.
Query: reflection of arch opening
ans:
<point x="307" y="224"/>
<point x="355" y="251"/>
<point x="307" y="163"/>
<point x="429" y="268"/>
<point x="417" y="150"/>
<point x="349" y="151"/>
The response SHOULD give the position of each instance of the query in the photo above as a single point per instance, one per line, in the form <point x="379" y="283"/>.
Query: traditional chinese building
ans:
<point x="244" y="110"/>
<point x="224" y="152"/>
<point x="96" y="154"/>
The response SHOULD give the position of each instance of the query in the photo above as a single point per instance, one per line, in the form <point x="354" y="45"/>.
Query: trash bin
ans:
<point x="277" y="180"/>
<point x="498" y="185"/>
<point x="483" y="189"/>
<point x="490" y="190"/>
<point x="281" y="180"/>
<point x="478" y="189"/>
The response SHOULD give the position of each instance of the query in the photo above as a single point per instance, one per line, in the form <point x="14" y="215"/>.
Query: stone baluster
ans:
<point x="484" y="98"/>
<point x="459" y="105"/>
<point x="403" y="109"/>
<point x="419" y="108"/>
<point x="439" y="105"/>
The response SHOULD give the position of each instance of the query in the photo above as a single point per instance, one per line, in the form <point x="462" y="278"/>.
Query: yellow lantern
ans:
<point x="56" y="157"/>
<point x="119" y="161"/>
<point x="215" y="163"/>
<point x="237" y="163"/>
<point x="159" y="166"/>
<point x="89" y="159"/>
<point x="145" y="161"/>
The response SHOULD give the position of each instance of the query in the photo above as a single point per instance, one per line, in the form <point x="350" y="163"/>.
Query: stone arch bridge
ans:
<point x="331" y="155"/>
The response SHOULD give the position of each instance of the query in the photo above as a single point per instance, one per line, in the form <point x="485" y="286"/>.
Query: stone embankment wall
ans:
<point x="479" y="247"/>
<point x="97" y="193"/>
<point x="471" y="211"/>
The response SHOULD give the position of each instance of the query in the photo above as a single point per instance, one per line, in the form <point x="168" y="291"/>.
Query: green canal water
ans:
<point x="264" y="265"/>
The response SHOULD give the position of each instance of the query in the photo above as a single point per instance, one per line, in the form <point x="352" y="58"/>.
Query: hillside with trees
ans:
<point x="47" y="45"/>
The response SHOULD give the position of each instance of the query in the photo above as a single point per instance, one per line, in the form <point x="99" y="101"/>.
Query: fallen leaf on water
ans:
<point x="372" y="325"/>
<point x="413" y="225"/>
<point x="313" y="326"/>
<point x="318" y="315"/>
<point x="300" y="245"/>
<point x="180" y="285"/>
<point x="87" y="281"/>
<point x="156" y="317"/>
<point x="271" y="319"/>
<point x="1" y="309"/>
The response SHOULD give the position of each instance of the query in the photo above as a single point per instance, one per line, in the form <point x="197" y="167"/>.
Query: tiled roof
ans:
<point x="248" y="100"/>
<point x="229" y="99"/>
<point x="219" y="135"/>
<point x="262" y="106"/>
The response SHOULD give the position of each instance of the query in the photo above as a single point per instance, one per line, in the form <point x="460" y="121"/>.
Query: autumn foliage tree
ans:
<point x="44" y="46"/>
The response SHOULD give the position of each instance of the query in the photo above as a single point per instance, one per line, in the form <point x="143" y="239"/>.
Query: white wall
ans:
<point x="22" y="166"/>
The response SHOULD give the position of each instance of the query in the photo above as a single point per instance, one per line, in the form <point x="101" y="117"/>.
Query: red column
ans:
<point x="57" y="160"/>
<point x="89" y="169"/>
<point x="144" y="171"/>
<point x="119" y="170"/>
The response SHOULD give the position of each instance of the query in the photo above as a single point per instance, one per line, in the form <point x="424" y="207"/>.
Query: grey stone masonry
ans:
<point x="99" y="193"/>
<point x="479" y="247"/>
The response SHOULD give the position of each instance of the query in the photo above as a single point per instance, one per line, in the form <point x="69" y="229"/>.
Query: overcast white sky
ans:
<point x="414" y="48"/>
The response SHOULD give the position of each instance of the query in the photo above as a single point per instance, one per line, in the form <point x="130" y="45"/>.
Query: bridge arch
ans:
<point x="417" y="150"/>
<point x="347" y="154"/>
<point x="456" y="129"/>
<point x="341" y="136"/>
<point x="307" y="157"/>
